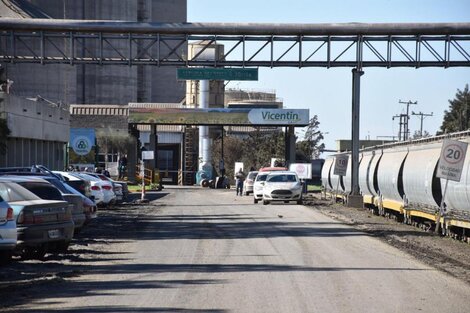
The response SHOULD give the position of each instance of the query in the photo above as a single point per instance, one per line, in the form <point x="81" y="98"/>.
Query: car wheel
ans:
<point x="247" y="193"/>
<point x="33" y="253"/>
<point x="5" y="257"/>
<point x="300" y="201"/>
<point x="61" y="247"/>
<point x="255" y="200"/>
<point x="265" y="202"/>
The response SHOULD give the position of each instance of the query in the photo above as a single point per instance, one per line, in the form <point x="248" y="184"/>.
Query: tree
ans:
<point x="417" y="134"/>
<point x="232" y="153"/>
<point x="311" y="147"/>
<point x="4" y="133"/>
<point x="111" y="140"/>
<point x="456" y="118"/>
<point x="254" y="151"/>
<point x="260" y="147"/>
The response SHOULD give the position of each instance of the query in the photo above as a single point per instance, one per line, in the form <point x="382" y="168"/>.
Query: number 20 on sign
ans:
<point x="452" y="159"/>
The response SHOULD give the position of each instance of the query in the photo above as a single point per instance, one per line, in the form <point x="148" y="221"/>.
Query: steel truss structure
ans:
<point x="246" y="45"/>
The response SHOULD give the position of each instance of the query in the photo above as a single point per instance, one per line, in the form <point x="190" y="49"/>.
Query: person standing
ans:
<point x="122" y="167"/>
<point x="239" y="179"/>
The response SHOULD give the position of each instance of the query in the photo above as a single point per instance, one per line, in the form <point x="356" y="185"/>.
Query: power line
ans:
<point x="422" y="116"/>
<point x="406" y="129"/>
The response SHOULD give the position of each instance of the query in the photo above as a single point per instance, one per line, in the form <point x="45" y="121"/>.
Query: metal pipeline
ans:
<point x="204" y="140"/>
<point x="327" y="29"/>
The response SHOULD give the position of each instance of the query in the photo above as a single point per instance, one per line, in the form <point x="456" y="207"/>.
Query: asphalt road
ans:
<point x="210" y="251"/>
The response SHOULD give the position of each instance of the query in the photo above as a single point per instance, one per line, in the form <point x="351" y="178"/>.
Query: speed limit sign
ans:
<point x="341" y="164"/>
<point x="452" y="159"/>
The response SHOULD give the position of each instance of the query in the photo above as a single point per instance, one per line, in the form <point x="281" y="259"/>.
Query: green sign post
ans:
<point x="217" y="73"/>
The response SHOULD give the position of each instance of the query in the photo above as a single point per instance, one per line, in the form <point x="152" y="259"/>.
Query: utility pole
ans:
<point x="422" y="116"/>
<point x="407" y="118"/>
<point x="401" y="132"/>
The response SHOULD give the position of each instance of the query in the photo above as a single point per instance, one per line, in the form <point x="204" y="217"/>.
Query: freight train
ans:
<point x="399" y="180"/>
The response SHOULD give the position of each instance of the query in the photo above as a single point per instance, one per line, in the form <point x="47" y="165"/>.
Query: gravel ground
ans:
<point x="446" y="254"/>
<point x="105" y="241"/>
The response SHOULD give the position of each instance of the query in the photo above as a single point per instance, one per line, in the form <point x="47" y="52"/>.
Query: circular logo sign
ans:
<point x="81" y="145"/>
<point x="300" y="169"/>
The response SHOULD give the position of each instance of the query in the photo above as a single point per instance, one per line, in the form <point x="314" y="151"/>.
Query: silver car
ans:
<point x="42" y="225"/>
<point x="7" y="231"/>
<point x="249" y="182"/>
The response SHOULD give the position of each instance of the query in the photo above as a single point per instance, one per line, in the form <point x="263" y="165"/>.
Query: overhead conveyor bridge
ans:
<point x="356" y="45"/>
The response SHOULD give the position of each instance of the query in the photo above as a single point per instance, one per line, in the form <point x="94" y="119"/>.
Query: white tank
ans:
<point x="388" y="175"/>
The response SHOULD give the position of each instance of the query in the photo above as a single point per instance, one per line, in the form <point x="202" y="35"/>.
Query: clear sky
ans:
<point x="327" y="92"/>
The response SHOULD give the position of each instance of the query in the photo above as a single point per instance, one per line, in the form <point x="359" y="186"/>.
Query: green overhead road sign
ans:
<point x="217" y="73"/>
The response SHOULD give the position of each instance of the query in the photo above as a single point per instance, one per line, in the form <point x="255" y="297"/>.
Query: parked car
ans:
<point x="7" y="231"/>
<point x="89" y="206"/>
<point x="258" y="186"/>
<point x="26" y="169"/>
<point x="101" y="190"/>
<point x="117" y="186"/>
<point x="282" y="186"/>
<point x="249" y="181"/>
<point x="51" y="188"/>
<point x="80" y="184"/>
<point x="273" y="169"/>
<point x="124" y="188"/>
<point x="42" y="225"/>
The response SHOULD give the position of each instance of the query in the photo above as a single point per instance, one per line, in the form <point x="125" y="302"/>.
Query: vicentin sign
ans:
<point x="278" y="116"/>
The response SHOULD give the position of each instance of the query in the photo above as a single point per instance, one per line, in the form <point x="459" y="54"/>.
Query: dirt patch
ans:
<point x="103" y="241"/>
<point x="446" y="254"/>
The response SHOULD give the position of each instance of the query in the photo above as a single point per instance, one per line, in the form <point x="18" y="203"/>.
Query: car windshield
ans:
<point x="13" y="192"/>
<point x="284" y="178"/>
<point x="72" y="190"/>
<point x="89" y="177"/>
<point x="252" y="175"/>
<point x="58" y="184"/>
<point x="43" y="190"/>
<point x="261" y="177"/>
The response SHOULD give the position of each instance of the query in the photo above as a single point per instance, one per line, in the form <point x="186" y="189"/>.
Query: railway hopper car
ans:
<point x="368" y="175"/>
<point x="399" y="180"/>
<point x="325" y="174"/>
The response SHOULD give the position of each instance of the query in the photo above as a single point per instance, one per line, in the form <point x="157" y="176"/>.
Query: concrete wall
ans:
<point x="39" y="132"/>
<point x="27" y="152"/>
<point x="103" y="84"/>
<point x="35" y="119"/>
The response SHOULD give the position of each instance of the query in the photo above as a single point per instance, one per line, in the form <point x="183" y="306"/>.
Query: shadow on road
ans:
<point x="26" y="282"/>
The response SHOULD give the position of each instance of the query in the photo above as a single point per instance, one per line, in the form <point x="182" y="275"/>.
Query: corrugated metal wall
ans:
<point x="27" y="152"/>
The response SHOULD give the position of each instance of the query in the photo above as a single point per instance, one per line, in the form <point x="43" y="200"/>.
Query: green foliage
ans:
<point x="260" y="148"/>
<point x="233" y="152"/>
<point x="81" y="159"/>
<point x="4" y="133"/>
<point x="457" y="117"/>
<point x="417" y="134"/>
<point x="254" y="151"/>
<point x="112" y="140"/>
<point x="310" y="147"/>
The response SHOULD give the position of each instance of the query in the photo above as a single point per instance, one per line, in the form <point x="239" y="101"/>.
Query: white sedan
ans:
<point x="101" y="190"/>
<point x="258" y="186"/>
<point x="282" y="186"/>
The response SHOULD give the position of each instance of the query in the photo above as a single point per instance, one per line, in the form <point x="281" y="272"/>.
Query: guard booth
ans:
<point x="190" y="159"/>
